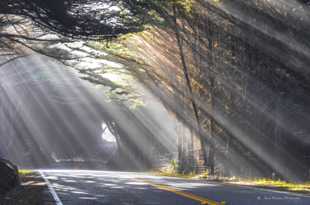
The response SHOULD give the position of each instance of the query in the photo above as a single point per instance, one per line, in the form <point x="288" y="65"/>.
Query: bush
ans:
<point x="8" y="176"/>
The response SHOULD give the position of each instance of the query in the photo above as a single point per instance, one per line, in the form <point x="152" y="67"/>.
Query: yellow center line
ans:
<point x="188" y="195"/>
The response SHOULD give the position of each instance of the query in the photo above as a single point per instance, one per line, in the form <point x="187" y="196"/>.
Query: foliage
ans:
<point x="92" y="18"/>
<point x="172" y="170"/>
<point x="186" y="5"/>
<point x="113" y="47"/>
<point x="204" y="175"/>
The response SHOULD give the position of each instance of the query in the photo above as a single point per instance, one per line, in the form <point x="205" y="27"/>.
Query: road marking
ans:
<point x="202" y="200"/>
<point x="51" y="189"/>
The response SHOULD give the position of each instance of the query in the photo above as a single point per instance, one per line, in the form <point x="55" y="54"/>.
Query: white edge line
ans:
<point x="51" y="189"/>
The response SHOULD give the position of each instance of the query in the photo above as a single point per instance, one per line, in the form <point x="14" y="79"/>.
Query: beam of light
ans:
<point x="267" y="34"/>
<point x="154" y="123"/>
<point x="249" y="139"/>
<point x="46" y="111"/>
<point x="263" y="152"/>
<point x="39" y="131"/>
<point x="258" y="103"/>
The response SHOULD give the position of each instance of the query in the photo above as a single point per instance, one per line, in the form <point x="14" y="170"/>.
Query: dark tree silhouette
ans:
<point x="77" y="18"/>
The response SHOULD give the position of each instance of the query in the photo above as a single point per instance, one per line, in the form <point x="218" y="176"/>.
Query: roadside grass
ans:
<point x="25" y="172"/>
<point x="275" y="184"/>
<point x="172" y="170"/>
<point x="304" y="188"/>
<point x="174" y="174"/>
<point x="190" y="175"/>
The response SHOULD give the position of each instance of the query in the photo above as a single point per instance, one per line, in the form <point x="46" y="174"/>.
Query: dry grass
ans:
<point x="276" y="184"/>
<point x="171" y="170"/>
<point x="24" y="172"/>
<point x="303" y="188"/>
<point x="174" y="174"/>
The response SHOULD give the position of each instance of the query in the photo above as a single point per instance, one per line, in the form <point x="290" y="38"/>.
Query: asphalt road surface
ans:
<point x="124" y="188"/>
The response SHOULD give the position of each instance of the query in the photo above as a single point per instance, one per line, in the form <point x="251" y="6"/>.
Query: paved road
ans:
<point x="124" y="188"/>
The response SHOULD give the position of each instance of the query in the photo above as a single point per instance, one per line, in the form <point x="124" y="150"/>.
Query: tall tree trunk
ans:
<point x="211" y="151"/>
<point x="189" y="86"/>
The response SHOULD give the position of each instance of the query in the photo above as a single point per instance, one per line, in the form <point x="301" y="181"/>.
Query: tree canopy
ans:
<point x="76" y="18"/>
<point x="89" y="18"/>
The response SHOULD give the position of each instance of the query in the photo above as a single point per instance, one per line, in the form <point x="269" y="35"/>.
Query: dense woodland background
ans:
<point x="241" y="72"/>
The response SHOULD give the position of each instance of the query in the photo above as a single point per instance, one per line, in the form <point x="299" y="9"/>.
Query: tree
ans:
<point x="92" y="19"/>
<point x="76" y="18"/>
<point x="89" y="18"/>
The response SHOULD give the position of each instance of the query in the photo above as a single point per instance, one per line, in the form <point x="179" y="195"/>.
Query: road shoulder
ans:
<point x="32" y="191"/>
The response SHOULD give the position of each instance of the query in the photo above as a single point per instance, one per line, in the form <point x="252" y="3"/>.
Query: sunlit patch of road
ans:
<point x="124" y="188"/>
